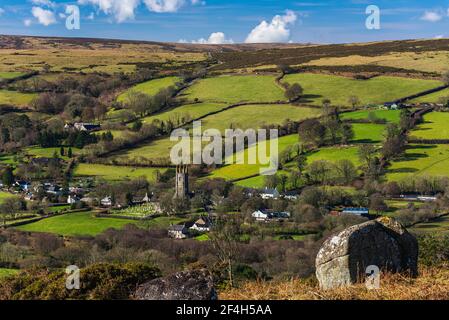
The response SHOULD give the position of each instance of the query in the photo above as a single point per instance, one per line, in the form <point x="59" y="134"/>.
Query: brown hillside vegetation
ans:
<point x="432" y="284"/>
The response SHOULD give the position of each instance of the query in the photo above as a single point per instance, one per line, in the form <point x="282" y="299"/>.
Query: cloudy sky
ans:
<point x="229" y="21"/>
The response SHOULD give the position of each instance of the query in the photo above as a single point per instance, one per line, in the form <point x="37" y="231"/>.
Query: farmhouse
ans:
<point x="73" y="199"/>
<point x="81" y="126"/>
<point x="270" y="194"/>
<point x="106" y="202"/>
<point x="178" y="231"/>
<point x="202" y="225"/>
<point x="268" y="215"/>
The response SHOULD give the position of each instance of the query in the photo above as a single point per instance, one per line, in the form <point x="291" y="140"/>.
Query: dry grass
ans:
<point x="432" y="284"/>
<point x="422" y="61"/>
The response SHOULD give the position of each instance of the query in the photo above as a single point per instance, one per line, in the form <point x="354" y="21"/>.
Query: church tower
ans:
<point x="182" y="182"/>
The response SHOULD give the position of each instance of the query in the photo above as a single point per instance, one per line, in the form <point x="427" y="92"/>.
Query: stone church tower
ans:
<point x="182" y="182"/>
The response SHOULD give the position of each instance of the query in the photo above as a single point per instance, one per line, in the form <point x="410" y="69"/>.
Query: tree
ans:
<point x="70" y="153"/>
<point x="367" y="152"/>
<point x="61" y="151"/>
<point x="347" y="133"/>
<point x="294" y="92"/>
<point x="377" y="203"/>
<point x="312" y="131"/>
<point x="332" y="122"/>
<point x="319" y="171"/>
<point x="346" y="170"/>
<point x="354" y="101"/>
<point x="8" y="177"/>
<point x="224" y="238"/>
<point x="445" y="77"/>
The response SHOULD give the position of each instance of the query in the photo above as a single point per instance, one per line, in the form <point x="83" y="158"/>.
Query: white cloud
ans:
<point x="274" y="32"/>
<point x="45" y="17"/>
<point x="91" y="16"/>
<point x="214" y="38"/>
<point x="440" y="36"/>
<point x="121" y="9"/>
<point x="45" y="3"/>
<point x="165" y="5"/>
<point x="432" y="16"/>
<point x="27" y="22"/>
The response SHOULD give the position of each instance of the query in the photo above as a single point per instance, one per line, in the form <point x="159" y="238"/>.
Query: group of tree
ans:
<point x="331" y="129"/>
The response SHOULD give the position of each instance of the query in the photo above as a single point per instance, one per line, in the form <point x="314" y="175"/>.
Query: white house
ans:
<point x="106" y="202"/>
<point x="201" y="225"/>
<point x="270" y="194"/>
<point x="177" y="232"/>
<point x="267" y="215"/>
<point x="73" y="199"/>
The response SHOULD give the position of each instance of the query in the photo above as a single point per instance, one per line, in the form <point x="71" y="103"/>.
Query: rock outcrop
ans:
<point x="187" y="285"/>
<point x="343" y="259"/>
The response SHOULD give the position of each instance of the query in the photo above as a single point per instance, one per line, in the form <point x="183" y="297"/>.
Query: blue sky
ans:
<point x="317" y="21"/>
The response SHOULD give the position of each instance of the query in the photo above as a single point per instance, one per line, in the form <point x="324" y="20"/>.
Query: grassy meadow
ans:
<point x="334" y="154"/>
<point x="16" y="98"/>
<point x="4" y="272"/>
<point x="151" y="87"/>
<point x="255" y="116"/>
<point x="10" y="75"/>
<point x="188" y="111"/>
<point x="75" y="224"/>
<point x="435" y="126"/>
<point x="432" y="98"/>
<point x="115" y="173"/>
<point x="368" y="132"/>
<point x="374" y="91"/>
<point x="392" y="116"/>
<point x="421" y="160"/>
<point x="240" y="171"/>
<point x="233" y="89"/>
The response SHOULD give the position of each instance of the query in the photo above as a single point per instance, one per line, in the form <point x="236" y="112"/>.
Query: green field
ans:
<point x="8" y="272"/>
<point x="334" y="154"/>
<point x="374" y="91"/>
<point x="157" y="151"/>
<point x="243" y="117"/>
<point x="16" y="98"/>
<point x="39" y="152"/>
<point x="116" y="173"/>
<point x="435" y="126"/>
<point x="389" y="115"/>
<point x="151" y="87"/>
<point x="254" y="116"/>
<point x="421" y="160"/>
<point x="432" y="98"/>
<point x="73" y="224"/>
<point x="10" y="75"/>
<point x="5" y="195"/>
<point x="189" y="111"/>
<point x="233" y="89"/>
<point x="368" y="132"/>
<point x="438" y="226"/>
<point x="239" y="171"/>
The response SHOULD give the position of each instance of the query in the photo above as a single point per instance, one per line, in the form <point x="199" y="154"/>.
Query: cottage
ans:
<point x="73" y="199"/>
<point x="81" y="126"/>
<point x="291" y="195"/>
<point x="23" y="185"/>
<point x="267" y="215"/>
<point x="270" y="194"/>
<point x="106" y="202"/>
<point x="177" y="231"/>
<point x="202" y="225"/>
